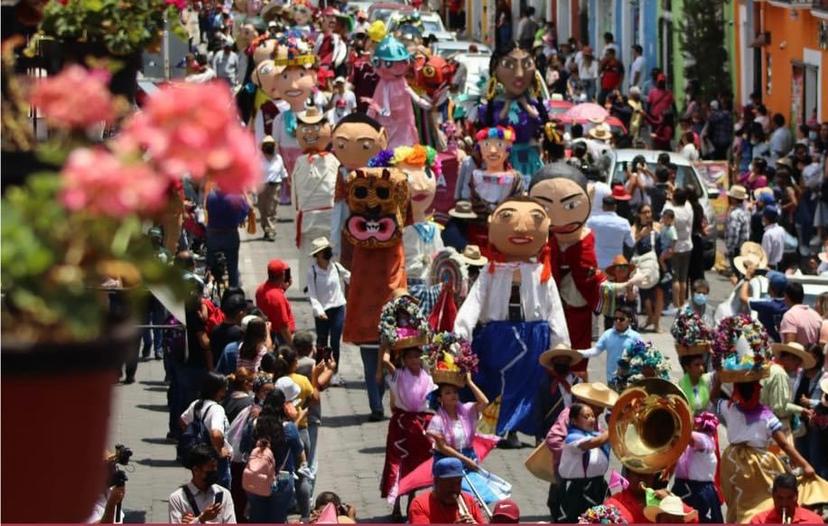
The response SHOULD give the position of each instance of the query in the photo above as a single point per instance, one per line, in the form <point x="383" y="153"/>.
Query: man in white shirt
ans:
<point x="637" y="67"/>
<point x="781" y="140"/>
<point x="341" y="91"/>
<point x="226" y="63"/>
<point x="268" y="197"/>
<point x="773" y="240"/>
<point x="609" y="43"/>
<point x="202" y="500"/>
<point x="612" y="233"/>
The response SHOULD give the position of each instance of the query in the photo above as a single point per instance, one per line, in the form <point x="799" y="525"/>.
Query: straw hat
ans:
<point x="462" y="210"/>
<point x="754" y="250"/>
<point x="619" y="261"/>
<point x="559" y="350"/>
<point x="471" y="256"/>
<point x="738" y="191"/>
<point x="671" y="505"/>
<point x="741" y="263"/>
<point x="268" y="139"/>
<point x="596" y="393"/>
<point x="824" y="385"/>
<point x="310" y="116"/>
<point x="319" y="244"/>
<point x="798" y="350"/>
<point x="759" y="192"/>
<point x="602" y="132"/>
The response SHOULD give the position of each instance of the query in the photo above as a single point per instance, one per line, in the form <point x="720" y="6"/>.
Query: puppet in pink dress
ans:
<point x="391" y="103"/>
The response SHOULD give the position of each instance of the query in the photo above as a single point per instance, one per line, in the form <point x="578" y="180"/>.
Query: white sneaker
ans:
<point x="337" y="380"/>
<point x="669" y="311"/>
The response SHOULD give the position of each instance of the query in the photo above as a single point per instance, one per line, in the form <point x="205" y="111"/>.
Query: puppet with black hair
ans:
<point x="516" y="302"/>
<point x="513" y="98"/>
<point x="562" y="189"/>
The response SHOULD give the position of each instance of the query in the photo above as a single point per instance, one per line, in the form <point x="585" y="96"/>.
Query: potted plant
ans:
<point x="73" y="238"/>
<point x="81" y="31"/>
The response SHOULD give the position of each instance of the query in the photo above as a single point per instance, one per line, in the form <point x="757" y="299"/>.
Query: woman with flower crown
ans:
<point x="741" y="355"/>
<point x="404" y="333"/>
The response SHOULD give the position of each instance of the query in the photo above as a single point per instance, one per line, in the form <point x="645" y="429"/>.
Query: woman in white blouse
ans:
<point x="584" y="462"/>
<point x="326" y="290"/>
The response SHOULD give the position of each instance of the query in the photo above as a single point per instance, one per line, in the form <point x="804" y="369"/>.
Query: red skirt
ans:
<point x="579" y="323"/>
<point x="406" y="447"/>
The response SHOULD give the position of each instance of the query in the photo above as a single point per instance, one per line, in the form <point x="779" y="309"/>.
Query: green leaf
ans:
<point x="92" y="5"/>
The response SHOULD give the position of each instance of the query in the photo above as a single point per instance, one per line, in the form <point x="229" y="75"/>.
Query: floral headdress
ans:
<point x="450" y="358"/>
<point x="740" y="347"/>
<point x="602" y="514"/>
<point x="402" y="325"/>
<point x="638" y="361"/>
<point x="294" y="52"/>
<point x="689" y="329"/>
<point x="497" y="132"/>
<point x="417" y="156"/>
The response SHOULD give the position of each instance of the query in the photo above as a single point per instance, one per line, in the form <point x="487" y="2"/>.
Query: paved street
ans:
<point x="351" y="449"/>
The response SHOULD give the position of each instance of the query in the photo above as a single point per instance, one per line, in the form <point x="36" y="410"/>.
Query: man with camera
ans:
<point x="202" y="500"/>
<point x="109" y="506"/>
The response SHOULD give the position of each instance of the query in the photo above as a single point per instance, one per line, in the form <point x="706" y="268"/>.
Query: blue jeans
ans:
<point x="153" y="338"/>
<point x="272" y="509"/>
<point x="303" y="485"/>
<point x="185" y="383"/>
<point x="329" y="332"/>
<point x="225" y="478"/>
<point x="370" y="359"/>
<point x="226" y="241"/>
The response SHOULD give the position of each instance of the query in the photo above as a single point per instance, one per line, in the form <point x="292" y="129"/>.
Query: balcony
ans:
<point x="819" y="5"/>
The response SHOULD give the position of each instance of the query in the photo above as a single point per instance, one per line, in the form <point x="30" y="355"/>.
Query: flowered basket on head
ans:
<point x="450" y="358"/>
<point x="402" y="325"/>
<point x="638" y="361"/>
<point x="602" y="514"/>
<point x="692" y="335"/>
<point x="741" y="351"/>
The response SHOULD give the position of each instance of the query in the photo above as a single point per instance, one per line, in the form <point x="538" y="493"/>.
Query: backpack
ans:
<point x="194" y="434"/>
<point x="175" y="340"/>
<point x="260" y="471"/>
<point x="215" y="316"/>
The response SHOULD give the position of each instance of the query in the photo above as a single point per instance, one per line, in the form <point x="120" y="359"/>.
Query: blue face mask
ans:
<point x="699" y="300"/>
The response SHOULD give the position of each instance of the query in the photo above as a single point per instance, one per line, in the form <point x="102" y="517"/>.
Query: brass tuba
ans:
<point x="650" y="425"/>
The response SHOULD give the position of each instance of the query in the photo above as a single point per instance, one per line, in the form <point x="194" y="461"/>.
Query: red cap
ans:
<point x="506" y="509"/>
<point x="620" y="193"/>
<point x="276" y="266"/>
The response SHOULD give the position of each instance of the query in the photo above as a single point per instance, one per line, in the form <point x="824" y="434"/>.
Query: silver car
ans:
<point x="686" y="175"/>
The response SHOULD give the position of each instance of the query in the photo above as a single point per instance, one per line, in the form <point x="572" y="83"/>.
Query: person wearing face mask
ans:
<point x="326" y="290"/>
<point x="555" y="391"/>
<point x="208" y="408"/>
<point x="202" y="500"/>
<point x="698" y="302"/>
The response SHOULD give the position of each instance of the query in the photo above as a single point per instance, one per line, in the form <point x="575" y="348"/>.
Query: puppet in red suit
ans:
<point x="563" y="191"/>
<point x="329" y="46"/>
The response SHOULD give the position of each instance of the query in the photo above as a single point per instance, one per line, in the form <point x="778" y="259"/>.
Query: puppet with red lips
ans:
<point x="562" y="189"/>
<point x="378" y="200"/>
<point x="516" y="302"/>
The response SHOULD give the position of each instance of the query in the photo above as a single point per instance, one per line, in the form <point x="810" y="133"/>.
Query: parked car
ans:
<point x="448" y="48"/>
<point x="366" y="5"/>
<point x="384" y="10"/>
<point x="685" y="176"/>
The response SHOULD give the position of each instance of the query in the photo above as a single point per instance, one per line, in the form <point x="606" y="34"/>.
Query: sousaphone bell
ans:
<point x="650" y="425"/>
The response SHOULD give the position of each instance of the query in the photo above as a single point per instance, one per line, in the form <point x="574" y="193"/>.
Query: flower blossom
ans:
<point x="76" y="98"/>
<point x="193" y="129"/>
<point x="96" y="181"/>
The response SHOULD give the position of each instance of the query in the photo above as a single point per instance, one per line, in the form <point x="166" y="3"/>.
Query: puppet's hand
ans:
<point x="372" y="105"/>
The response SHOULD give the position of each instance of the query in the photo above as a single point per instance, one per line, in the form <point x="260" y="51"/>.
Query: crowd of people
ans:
<point x="482" y="326"/>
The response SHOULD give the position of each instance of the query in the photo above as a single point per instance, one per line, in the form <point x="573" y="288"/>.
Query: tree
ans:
<point x="702" y="40"/>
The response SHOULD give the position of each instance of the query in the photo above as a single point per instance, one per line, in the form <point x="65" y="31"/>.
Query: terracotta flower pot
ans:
<point x="55" y="415"/>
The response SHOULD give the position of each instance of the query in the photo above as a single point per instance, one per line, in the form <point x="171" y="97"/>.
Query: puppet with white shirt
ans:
<point x="516" y="304"/>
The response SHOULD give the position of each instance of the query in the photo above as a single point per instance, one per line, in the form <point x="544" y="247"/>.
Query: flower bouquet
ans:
<point x="450" y="358"/>
<point x="692" y="335"/>
<point x="76" y="261"/>
<point x="402" y="325"/>
<point x="638" y="361"/>
<point x="602" y="514"/>
<point x="741" y="351"/>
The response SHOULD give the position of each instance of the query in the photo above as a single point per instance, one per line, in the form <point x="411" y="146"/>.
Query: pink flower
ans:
<point x="193" y="129"/>
<point x="180" y="4"/>
<point x="76" y="98"/>
<point x="98" y="182"/>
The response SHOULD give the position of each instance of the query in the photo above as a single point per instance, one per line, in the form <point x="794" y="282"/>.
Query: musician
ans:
<point x="446" y="503"/>
<point x="785" y="508"/>
<point x="632" y="501"/>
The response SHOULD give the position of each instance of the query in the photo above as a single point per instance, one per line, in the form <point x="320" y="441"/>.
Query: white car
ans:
<point x="432" y="25"/>
<point x="686" y="175"/>
<point x="452" y="47"/>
